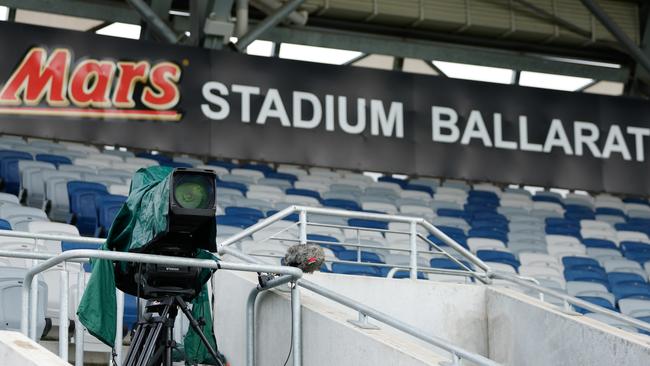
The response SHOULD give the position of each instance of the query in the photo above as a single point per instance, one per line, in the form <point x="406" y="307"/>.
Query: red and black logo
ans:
<point x="46" y="86"/>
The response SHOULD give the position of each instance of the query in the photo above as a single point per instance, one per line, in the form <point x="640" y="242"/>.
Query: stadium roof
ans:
<point x="559" y="44"/>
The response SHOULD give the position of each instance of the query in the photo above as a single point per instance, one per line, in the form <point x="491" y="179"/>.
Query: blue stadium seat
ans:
<point x="238" y="221"/>
<point x="10" y="173"/>
<point x="450" y="212"/>
<point x="286" y="176"/>
<point x="356" y="269"/>
<point x="54" y="159"/>
<point x="372" y="224"/>
<point x="599" y="243"/>
<point x="351" y="255"/>
<point x="303" y="192"/>
<point x="578" y="208"/>
<point x="638" y="221"/>
<point x="446" y="263"/>
<point x="571" y="262"/>
<point x="609" y="211"/>
<point x="586" y="275"/>
<point x="224" y="164"/>
<point x="259" y="167"/>
<point x="5" y="225"/>
<point x="579" y="215"/>
<point x="639" y="200"/>
<point x="538" y="198"/>
<point x="483" y="194"/>
<point x="232" y="185"/>
<point x="635" y="290"/>
<point x="293" y="217"/>
<point x="625" y="226"/>
<point x="562" y="230"/>
<point x="621" y="278"/>
<point x="325" y="238"/>
<point x="83" y="205"/>
<point x="491" y="216"/>
<point x="418" y="187"/>
<point x="600" y="301"/>
<point x="487" y="233"/>
<point x="634" y="246"/>
<point x="247" y="212"/>
<point x="108" y="207"/>
<point x="401" y="182"/>
<point x="562" y="222"/>
<point x="499" y="257"/>
<point x="342" y="204"/>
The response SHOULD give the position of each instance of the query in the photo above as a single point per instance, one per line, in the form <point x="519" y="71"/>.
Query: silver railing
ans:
<point x="30" y="287"/>
<point x="486" y="276"/>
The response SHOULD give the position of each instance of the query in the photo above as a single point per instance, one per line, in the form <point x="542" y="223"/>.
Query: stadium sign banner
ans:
<point x="75" y="86"/>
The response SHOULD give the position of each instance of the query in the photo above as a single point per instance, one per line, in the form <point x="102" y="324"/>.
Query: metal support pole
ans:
<point x="78" y="327"/>
<point x="153" y="20"/>
<point x="414" y="250"/>
<point x="250" y="315"/>
<point x="618" y="33"/>
<point x="268" y="23"/>
<point x="32" y="308"/>
<point x="241" y="26"/>
<point x="269" y="6"/>
<point x="303" y="226"/>
<point x="119" y="320"/>
<point x="296" y="324"/>
<point x="63" y="316"/>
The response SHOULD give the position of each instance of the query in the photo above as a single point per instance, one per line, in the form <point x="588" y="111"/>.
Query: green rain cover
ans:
<point x="142" y="217"/>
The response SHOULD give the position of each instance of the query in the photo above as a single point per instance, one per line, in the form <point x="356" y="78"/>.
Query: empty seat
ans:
<point x="19" y="216"/>
<point x="635" y="308"/>
<point x="11" y="283"/>
<point x="356" y="269"/>
<point x="83" y="205"/>
<point x="476" y="244"/>
<point x="108" y="207"/>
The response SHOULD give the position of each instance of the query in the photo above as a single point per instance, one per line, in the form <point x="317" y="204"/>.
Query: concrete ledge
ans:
<point x="16" y="349"/>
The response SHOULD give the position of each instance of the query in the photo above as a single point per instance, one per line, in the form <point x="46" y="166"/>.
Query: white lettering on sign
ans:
<point x="375" y="117"/>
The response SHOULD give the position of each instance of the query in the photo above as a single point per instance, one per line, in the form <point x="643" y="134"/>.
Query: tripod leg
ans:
<point x="197" y="328"/>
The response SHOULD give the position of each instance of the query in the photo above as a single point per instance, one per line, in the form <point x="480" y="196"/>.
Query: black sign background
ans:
<point x="416" y="153"/>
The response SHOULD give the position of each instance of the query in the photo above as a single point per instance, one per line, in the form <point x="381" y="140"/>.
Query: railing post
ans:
<point x="296" y="323"/>
<point x="118" y="326"/>
<point x="414" y="250"/>
<point x="33" y="308"/>
<point x="78" y="327"/>
<point x="63" y="315"/>
<point x="303" y="226"/>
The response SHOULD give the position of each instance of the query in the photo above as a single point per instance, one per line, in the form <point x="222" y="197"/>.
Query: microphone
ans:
<point x="307" y="257"/>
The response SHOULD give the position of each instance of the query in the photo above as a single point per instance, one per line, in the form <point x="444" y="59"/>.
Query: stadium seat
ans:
<point x="618" y="278"/>
<point x="587" y="276"/>
<point x="32" y="183"/>
<point x="342" y="204"/>
<point x="631" y="290"/>
<point x="600" y="301"/>
<point x="499" y="256"/>
<point x="83" y="205"/>
<point x="635" y="308"/>
<point x="19" y="216"/>
<point x="108" y="207"/>
<point x="11" y="283"/>
<point x="356" y="269"/>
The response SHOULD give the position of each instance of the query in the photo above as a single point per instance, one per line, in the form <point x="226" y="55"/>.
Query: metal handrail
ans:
<point x="455" y="351"/>
<point x="489" y="274"/>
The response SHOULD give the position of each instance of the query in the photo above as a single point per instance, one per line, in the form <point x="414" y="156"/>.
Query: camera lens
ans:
<point x="193" y="192"/>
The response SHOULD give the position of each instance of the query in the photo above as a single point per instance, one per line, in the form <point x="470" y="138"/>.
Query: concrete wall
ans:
<point x="16" y="349"/>
<point x="523" y="331"/>
<point x="454" y="312"/>
<point x="328" y="338"/>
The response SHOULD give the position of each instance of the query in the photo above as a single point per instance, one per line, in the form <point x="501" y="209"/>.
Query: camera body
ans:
<point x="191" y="226"/>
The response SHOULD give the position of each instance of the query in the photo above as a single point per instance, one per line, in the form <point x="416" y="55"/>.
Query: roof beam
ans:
<point x="109" y="11"/>
<point x="429" y="50"/>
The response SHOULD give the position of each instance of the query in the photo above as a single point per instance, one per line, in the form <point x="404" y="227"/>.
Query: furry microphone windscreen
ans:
<point x="307" y="257"/>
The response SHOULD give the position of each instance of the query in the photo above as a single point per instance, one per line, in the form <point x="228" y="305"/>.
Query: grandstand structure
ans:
<point x="453" y="226"/>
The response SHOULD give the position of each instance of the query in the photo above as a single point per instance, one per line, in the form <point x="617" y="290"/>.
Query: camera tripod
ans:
<point x="153" y="340"/>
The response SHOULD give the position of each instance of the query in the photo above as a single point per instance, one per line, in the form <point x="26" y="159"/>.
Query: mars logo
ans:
<point x="46" y="86"/>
